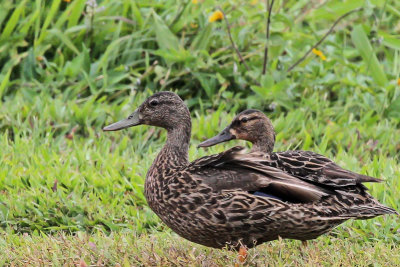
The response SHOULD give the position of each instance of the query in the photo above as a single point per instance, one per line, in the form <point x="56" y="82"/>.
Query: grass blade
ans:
<point x="13" y="21"/>
<point x="64" y="39"/>
<point x="52" y="12"/>
<point x="165" y="38"/>
<point x="363" y="45"/>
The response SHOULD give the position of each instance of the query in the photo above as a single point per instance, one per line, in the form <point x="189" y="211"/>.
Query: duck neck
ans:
<point x="172" y="156"/>
<point x="177" y="146"/>
<point x="264" y="144"/>
<point x="175" y="152"/>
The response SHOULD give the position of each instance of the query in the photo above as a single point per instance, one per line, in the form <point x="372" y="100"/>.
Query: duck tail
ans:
<point x="363" y="206"/>
<point x="370" y="211"/>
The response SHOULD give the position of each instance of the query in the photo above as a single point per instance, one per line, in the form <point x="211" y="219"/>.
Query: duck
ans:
<point x="254" y="126"/>
<point x="231" y="199"/>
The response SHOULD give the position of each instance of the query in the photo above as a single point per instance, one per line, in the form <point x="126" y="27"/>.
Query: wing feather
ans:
<point x="313" y="167"/>
<point x="234" y="169"/>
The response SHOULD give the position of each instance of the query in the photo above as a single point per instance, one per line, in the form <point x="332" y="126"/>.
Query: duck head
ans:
<point x="163" y="109"/>
<point x="250" y="125"/>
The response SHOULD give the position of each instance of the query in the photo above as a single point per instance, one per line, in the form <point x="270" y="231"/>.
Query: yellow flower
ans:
<point x="254" y="2"/>
<point x="217" y="15"/>
<point x="398" y="81"/>
<point x="67" y="1"/>
<point x="319" y="53"/>
<point x="195" y="1"/>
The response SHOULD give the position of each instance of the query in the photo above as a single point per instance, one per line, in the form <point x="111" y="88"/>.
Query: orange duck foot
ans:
<point x="242" y="254"/>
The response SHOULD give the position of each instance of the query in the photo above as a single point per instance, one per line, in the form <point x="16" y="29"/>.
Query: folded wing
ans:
<point x="313" y="167"/>
<point x="236" y="170"/>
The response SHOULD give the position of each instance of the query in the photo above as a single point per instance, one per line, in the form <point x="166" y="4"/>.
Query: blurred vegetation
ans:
<point x="70" y="67"/>
<point x="112" y="48"/>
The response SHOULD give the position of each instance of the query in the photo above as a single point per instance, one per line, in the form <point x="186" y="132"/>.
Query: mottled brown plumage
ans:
<point x="253" y="126"/>
<point x="212" y="201"/>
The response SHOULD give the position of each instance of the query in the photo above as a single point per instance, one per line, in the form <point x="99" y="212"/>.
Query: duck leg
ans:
<point x="242" y="254"/>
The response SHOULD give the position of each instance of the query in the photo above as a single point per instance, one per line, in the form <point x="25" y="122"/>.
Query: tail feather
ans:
<point x="369" y="211"/>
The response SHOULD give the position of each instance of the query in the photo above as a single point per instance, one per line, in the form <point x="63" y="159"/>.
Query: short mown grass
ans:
<point x="166" y="249"/>
<point x="71" y="194"/>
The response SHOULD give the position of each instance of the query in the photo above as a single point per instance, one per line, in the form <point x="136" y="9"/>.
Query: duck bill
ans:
<point x="132" y="120"/>
<point x="223" y="136"/>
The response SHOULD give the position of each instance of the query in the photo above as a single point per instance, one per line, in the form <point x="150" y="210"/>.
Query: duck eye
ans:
<point x="244" y="120"/>
<point x="153" y="102"/>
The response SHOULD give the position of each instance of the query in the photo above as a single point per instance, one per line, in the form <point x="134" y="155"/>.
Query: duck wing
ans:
<point x="235" y="170"/>
<point x="313" y="167"/>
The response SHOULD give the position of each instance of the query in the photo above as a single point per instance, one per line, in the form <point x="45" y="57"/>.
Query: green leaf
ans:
<point x="390" y="41"/>
<point x="208" y="82"/>
<point x="24" y="30"/>
<point x="28" y="65"/>
<point x="76" y="13"/>
<point x="136" y="13"/>
<point x="202" y="40"/>
<point x="12" y="22"/>
<point x="72" y="13"/>
<point x="5" y="8"/>
<point x="165" y="38"/>
<point x="364" y="47"/>
<point x="104" y="61"/>
<point x="334" y="9"/>
<point x="261" y="91"/>
<point x="393" y="10"/>
<point x="4" y="82"/>
<point x="63" y="38"/>
<point x="50" y="15"/>
<point x="394" y="109"/>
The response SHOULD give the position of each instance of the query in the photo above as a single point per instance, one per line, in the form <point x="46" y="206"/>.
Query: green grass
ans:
<point x="166" y="249"/>
<point x="66" y="72"/>
<point x="100" y="189"/>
